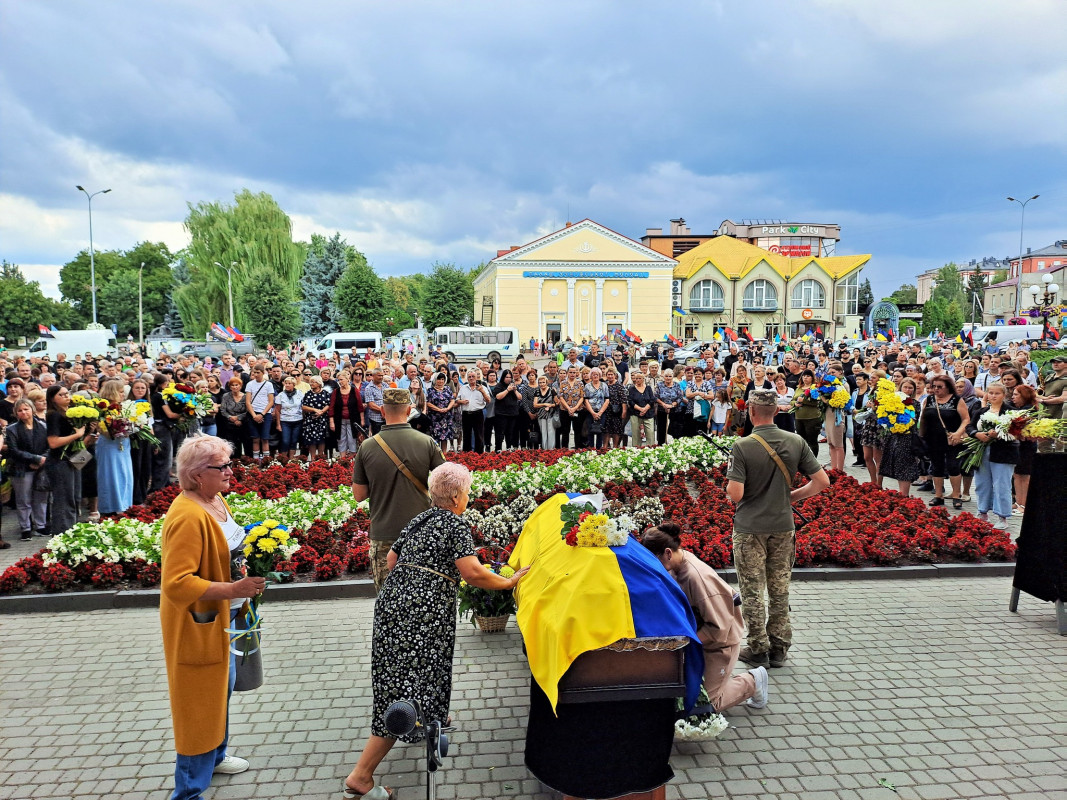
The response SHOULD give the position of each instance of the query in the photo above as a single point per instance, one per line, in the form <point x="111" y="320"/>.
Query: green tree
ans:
<point x="933" y="315"/>
<point x="448" y="298"/>
<point x="181" y="276"/>
<point x="254" y="232"/>
<point x="905" y="295"/>
<point x="948" y="285"/>
<point x="266" y="301"/>
<point x="999" y="276"/>
<point x="123" y="265"/>
<point x="326" y="262"/>
<point x="952" y="322"/>
<point x="118" y="305"/>
<point x="866" y="296"/>
<point x="360" y="298"/>
<point x="975" y="294"/>
<point x="24" y="307"/>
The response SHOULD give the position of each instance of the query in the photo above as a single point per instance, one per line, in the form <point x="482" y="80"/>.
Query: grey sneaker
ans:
<point x="763" y="689"/>
<point x="778" y="656"/>
<point x="753" y="659"/>
<point x="231" y="765"/>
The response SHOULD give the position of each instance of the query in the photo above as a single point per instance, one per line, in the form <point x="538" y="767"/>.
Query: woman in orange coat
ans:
<point x="197" y="605"/>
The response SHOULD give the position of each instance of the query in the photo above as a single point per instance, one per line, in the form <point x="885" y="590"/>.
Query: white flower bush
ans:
<point x="118" y="540"/>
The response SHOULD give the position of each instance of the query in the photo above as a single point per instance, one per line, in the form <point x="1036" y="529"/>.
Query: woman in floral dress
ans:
<point x="615" y="419"/>
<point x="415" y="616"/>
<point x="439" y="405"/>
<point x="316" y="404"/>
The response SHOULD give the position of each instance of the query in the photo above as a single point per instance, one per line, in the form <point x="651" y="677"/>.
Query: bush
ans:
<point x="13" y="579"/>
<point x="305" y="558"/>
<point x="57" y="577"/>
<point x="149" y="575"/>
<point x="107" y="574"/>
<point x="329" y="567"/>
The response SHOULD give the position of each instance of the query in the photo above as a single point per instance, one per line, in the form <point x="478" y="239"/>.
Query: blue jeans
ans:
<point x="992" y="484"/>
<point x="290" y="435"/>
<point x="261" y="430"/>
<point x="210" y="430"/>
<point x="192" y="774"/>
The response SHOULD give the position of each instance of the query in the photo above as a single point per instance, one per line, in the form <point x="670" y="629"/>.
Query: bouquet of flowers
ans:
<point x="837" y="396"/>
<point x="187" y="403"/>
<point x="585" y="526"/>
<point x="128" y="420"/>
<point x="703" y="724"/>
<point x="1008" y="427"/>
<point x="487" y="602"/>
<point x="896" y="412"/>
<point x="81" y="412"/>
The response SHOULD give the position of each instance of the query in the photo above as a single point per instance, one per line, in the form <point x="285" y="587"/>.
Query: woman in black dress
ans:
<point x="899" y="460"/>
<point x="415" y="616"/>
<point x="943" y="427"/>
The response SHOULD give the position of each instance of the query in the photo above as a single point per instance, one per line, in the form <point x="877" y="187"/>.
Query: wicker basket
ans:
<point x="492" y="624"/>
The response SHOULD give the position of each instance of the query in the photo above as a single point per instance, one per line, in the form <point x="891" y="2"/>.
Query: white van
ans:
<point x="473" y="343"/>
<point x="1006" y="333"/>
<point x="344" y="342"/>
<point x="72" y="343"/>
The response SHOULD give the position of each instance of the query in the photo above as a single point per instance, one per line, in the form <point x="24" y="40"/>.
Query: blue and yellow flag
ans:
<point x="577" y="599"/>
<point x="678" y="312"/>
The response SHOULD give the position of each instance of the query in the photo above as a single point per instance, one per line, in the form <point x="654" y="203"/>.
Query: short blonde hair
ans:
<point x="114" y="391"/>
<point x="447" y="482"/>
<point x="196" y="455"/>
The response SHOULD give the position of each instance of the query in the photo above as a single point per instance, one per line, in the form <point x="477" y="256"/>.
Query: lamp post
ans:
<point x="229" y="285"/>
<point x="1043" y="303"/>
<point x="140" y="306"/>
<point x="1022" y="221"/>
<point x="92" y="257"/>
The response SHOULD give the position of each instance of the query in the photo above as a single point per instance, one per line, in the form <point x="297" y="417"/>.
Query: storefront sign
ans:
<point x="586" y="274"/>
<point x="790" y="250"/>
<point x="791" y="230"/>
<point x="807" y="313"/>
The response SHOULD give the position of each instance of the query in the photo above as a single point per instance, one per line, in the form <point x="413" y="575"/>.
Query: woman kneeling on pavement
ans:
<point x="719" y="622"/>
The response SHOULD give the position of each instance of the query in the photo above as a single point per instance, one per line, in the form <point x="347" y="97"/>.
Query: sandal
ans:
<point x="937" y="501"/>
<point x="376" y="793"/>
<point x="957" y="502"/>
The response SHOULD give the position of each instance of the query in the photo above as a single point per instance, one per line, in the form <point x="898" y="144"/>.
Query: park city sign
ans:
<point x="790" y="230"/>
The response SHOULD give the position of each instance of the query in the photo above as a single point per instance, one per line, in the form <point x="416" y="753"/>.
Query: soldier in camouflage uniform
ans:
<point x="764" y="537"/>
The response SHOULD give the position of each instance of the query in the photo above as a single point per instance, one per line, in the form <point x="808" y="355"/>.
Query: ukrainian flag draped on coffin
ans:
<point x="576" y="599"/>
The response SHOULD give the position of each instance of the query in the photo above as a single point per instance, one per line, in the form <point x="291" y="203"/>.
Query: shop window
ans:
<point x="809" y="294"/>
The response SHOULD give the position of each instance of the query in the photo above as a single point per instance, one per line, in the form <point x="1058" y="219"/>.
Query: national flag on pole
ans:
<point x="717" y="336"/>
<point x="673" y="340"/>
<point x="679" y="312"/>
<point x="45" y="333"/>
<point x="219" y="332"/>
<point x="881" y="337"/>
<point x="890" y="332"/>
<point x="746" y="334"/>
<point x="1052" y="334"/>
<point x="777" y="338"/>
<point x="730" y="334"/>
<point x="236" y="334"/>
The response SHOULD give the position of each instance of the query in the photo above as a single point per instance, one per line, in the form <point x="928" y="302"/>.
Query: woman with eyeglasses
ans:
<point x="615" y="417"/>
<point x="440" y="403"/>
<point x="943" y="426"/>
<point x="315" y="407"/>
<point x="290" y="402"/>
<point x="346" y="413"/>
<point x="527" y="416"/>
<point x="199" y="601"/>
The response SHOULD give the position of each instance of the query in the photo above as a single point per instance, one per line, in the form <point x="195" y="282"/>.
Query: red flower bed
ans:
<point x="476" y="462"/>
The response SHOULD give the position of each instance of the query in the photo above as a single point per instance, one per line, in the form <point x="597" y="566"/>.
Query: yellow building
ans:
<point x="580" y="282"/>
<point x="725" y="282"/>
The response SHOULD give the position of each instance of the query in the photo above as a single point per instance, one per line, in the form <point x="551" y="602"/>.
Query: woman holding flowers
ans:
<point x="415" y="618"/>
<point x="198" y="603"/>
<point x="838" y="401"/>
<point x="114" y="462"/>
<point x="992" y="479"/>
<point x="807" y="410"/>
<point x="66" y="479"/>
<point x="943" y="426"/>
<point x="141" y="454"/>
<point x="899" y="460"/>
<point x="1024" y="398"/>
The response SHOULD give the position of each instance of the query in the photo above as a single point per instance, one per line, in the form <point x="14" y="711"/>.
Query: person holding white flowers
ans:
<point x="992" y="479"/>
<point x="719" y="622"/>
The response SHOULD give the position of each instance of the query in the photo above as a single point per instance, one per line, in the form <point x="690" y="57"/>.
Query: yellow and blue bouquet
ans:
<point x="896" y="412"/>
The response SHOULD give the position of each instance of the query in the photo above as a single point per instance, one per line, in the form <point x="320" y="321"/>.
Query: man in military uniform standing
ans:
<point x="764" y="536"/>
<point x="391" y="469"/>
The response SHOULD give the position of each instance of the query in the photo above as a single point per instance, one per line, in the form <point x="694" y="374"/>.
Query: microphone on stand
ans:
<point x="403" y="717"/>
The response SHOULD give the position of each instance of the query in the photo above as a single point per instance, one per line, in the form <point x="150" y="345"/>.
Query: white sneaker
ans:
<point x="763" y="689"/>
<point x="1001" y="524"/>
<point x="231" y="765"/>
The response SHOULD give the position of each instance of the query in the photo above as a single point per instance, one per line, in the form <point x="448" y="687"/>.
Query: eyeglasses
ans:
<point x="307" y="374"/>
<point x="223" y="467"/>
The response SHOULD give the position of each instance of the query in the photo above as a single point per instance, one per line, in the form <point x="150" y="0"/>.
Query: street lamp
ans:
<point x="92" y="256"/>
<point x="229" y="284"/>
<point x="140" y="306"/>
<point x="1022" y="220"/>
<point x="1044" y="302"/>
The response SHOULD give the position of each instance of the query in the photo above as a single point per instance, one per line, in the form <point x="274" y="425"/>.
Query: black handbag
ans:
<point x="42" y="480"/>
<point x="535" y="437"/>
<point x="919" y="448"/>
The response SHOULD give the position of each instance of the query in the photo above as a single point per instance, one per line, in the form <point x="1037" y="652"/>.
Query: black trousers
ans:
<point x="661" y="426"/>
<point x="474" y="430"/>
<point x="581" y="437"/>
<point x="141" y="455"/>
<point x="507" y="431"/>
<point x="566" y="423"/>
<point x="809" y="432"/>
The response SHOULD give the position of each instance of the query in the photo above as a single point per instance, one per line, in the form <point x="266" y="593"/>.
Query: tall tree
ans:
<point x="360" y="298"/>
<point x="905" y="295"/>
<point x="948" y="285"/>
<point x="325" y="264"/>
<point x="181" y="276"/>
<point x="266" y="301"/>
<point x="23" y="307"/>
<point x="449" y="297"/>
<point x="118" y="305"/>
<point x="866" y="296"/>
<point x="975" y="294"/>
<point x="253" y="232"/>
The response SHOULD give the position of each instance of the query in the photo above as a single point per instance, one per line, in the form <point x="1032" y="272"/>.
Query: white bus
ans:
<point x="470" y="344"/>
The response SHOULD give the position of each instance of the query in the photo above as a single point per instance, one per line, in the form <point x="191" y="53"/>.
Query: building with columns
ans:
<point x="579" y="282"/>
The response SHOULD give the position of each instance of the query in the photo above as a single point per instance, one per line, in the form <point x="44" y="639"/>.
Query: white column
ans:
<point x="629" y="303"/>
<point x="598" y="310"/>
<point x="541" y="330"/>
<point x="571" y="319"/>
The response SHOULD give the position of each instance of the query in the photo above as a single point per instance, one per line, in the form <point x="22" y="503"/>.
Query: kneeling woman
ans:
<point x="719" y="622"/>
<point x="198" y="602"/>
<point x="415" y="618"/>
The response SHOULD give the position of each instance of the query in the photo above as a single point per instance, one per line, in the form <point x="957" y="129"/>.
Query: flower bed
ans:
<point x="850" y="524"/>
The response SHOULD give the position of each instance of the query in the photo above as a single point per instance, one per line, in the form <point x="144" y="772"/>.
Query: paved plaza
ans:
<point x="928" y="685"/>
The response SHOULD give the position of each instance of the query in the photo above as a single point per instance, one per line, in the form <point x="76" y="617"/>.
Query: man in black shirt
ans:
<point x="594" y="359"/>
<point x="669" y="361"/>
<point x="793" y="368"/>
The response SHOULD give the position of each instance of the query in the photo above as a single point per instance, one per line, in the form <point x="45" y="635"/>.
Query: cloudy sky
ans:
<point x="443" y="131"/>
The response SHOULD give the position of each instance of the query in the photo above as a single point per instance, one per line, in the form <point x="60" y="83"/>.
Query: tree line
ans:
<point x="282" y="289"/>
<point x="955" y="299"/>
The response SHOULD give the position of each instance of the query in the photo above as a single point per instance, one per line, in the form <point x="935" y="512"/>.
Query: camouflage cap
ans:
<point x="767" y="398"/>
<point x="397" y="397"/>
